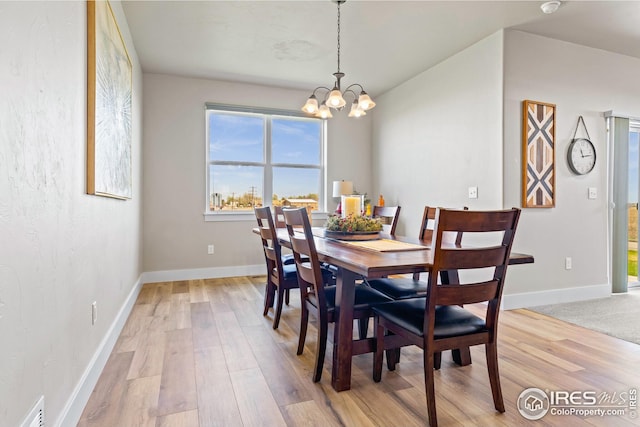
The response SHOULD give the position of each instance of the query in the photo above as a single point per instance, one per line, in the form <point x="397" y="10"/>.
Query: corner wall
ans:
<point x="60" y="249"/>
<point x="440" y="133"/>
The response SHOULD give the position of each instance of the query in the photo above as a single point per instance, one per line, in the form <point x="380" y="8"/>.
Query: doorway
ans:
<point x="632" y="203"/>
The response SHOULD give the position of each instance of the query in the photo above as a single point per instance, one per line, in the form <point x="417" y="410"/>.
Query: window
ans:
<point x="258" y="157"/>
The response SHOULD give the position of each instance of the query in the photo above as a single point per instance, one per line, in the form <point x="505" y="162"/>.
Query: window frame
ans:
<point x="267" y="191"/>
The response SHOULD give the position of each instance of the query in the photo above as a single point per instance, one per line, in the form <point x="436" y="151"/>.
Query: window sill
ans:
<point x="249" y="216"/>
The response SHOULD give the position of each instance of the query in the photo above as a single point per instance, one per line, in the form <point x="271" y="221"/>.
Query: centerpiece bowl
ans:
<point x="353" y="227"/>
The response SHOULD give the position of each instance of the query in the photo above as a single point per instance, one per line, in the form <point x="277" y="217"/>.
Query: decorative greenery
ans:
<point x="632" y="263"/>
<point x="352" y="224"/>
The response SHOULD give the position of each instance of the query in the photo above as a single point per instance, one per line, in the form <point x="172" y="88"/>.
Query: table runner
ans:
<point x="384" y="245"/>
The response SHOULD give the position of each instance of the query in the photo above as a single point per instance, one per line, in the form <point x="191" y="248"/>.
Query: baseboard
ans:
<point x="555" y="296"/>
<point x="203" y="273"/>
<point x="78" y="400"/>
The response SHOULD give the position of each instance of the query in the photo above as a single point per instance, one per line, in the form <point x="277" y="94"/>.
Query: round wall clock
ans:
<point x="581" y="156"/>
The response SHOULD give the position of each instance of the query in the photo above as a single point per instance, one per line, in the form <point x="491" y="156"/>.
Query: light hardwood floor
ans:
<point x="199" y="353"/>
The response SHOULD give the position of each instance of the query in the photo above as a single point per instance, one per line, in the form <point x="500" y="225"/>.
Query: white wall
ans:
<point x="175" y="233"/>
<point x="580" y="81"/>
<point x="60" y="249"/>
<point x="440" y="133"/>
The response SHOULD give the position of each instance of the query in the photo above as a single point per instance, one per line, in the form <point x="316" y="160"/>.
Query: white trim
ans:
<point x="620" y="114"/>
<point x="249" y="216"/>
<point x="555" y="296"/>
<point x="203" y="273"/>
<point x="77" y="401"/>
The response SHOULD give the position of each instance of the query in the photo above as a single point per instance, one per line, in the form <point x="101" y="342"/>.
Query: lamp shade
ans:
<point x="311" y="105"/>
<point x="335" y="99"/>
<point x="341" y="188"/>
<point x="365" y="102"/>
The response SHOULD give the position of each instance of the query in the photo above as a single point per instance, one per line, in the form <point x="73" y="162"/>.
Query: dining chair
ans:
<point x="281" y="277"/>
<point x="389" y="216"/>
<point x="287" y="258"/>
<point x="438" y="322"/>
<point x="315" y="296"/>
<point x="404" y="287"/>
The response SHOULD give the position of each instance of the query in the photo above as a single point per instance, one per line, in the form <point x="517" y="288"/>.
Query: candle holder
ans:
<point x="352" y="205"/>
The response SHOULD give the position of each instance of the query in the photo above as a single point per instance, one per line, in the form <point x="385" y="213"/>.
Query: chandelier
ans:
<point x="335" y="98"/>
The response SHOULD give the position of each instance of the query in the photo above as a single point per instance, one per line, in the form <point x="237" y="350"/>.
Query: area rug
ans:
<point x="617" y="315"/>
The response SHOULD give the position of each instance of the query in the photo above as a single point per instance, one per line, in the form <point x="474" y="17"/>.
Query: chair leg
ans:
<point x="378" y="354"/>
<point x="286" y="297"/>
<point x="437" y="360"/>
<point x="276" y="318"/>
<point x="363" y="327"/>
<point x="321" y="349"/>
<point x="393" y="358"/>
<point x="491" y="351"/>
<point x="304" y="321"/>
<point x="429" y="388"/>
<point x="269" y="292"/>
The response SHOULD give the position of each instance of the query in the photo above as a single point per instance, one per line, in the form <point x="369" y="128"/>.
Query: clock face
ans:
<point x="581" y="156"/>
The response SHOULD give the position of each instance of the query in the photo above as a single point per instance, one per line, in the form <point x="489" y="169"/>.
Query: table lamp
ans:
<point x="341" y="188"/>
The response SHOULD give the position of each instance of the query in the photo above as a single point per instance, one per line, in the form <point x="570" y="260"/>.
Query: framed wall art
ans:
<point x="109" y="87"/>
<point x="538" y="154"/>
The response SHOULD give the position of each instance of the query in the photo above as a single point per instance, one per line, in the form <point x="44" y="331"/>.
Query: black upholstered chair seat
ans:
<point x="364" y="298"/>
<point x="398" y="288"/>
<point x="289" y="271"/>
<point x="288" y="259"/>
<point x="451" y="320"/>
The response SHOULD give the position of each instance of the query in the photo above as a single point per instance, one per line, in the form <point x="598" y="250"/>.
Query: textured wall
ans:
<point x="60" y="249"/>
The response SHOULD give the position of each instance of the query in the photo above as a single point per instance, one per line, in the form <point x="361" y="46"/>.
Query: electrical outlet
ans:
<point x="567" y="263"/>
<point x="473" y="192"/>
<point x="94" y="312"/>
<point x="210" y="249"/>
<point x="593" y="193"/>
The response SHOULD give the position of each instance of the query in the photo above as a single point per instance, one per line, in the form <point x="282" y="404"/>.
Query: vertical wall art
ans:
<point x="109" y="88"/>
<point x="538" y="154"/>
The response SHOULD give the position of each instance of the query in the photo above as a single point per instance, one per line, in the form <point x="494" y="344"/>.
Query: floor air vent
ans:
<point x="36" y="415"/>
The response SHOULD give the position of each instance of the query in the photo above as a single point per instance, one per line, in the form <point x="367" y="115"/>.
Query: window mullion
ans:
<point x="268" y="169"/>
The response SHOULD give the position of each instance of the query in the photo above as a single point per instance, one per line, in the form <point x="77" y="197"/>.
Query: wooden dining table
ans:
<point x="354" y="263"/>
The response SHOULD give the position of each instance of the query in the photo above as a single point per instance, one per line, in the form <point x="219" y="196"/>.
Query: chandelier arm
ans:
<point x="354" y="84"/>
<point x="321" y="87"/>
<point x="355" y="95"/>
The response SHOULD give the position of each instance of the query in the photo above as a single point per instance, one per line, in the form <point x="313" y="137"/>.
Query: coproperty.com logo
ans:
<point x="534" y="403"/>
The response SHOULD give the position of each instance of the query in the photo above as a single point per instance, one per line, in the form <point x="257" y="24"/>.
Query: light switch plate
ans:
<point x="593" y="193"/>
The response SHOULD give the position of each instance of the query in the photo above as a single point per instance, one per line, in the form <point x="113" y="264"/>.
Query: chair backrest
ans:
<point x="270" y="244"/>
<point x="428" y="226"/>
<point x="305" y="255"/>
<point x="492" y="255"/>
<point x="389" y="216"/>
<point x="278" y="218"/>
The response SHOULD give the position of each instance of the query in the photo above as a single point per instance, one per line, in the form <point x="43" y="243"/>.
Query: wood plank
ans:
<point x="178" y="387"/>
<point x="205" y="330"/>
<point x="197" y="291"/>
<point x="107" y="398"/>
<point x="255" y="401"/>
<point x="217" y="405"/>
<point x="179" y="419"/>
<point x="140" y="402"/>
<point x="236" y="348"/>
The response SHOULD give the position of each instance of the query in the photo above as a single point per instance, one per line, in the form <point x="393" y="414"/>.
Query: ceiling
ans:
<point x="383" y="43"/>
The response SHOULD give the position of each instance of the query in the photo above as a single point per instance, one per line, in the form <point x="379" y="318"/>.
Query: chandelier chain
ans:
<point x="338" y="37"/>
